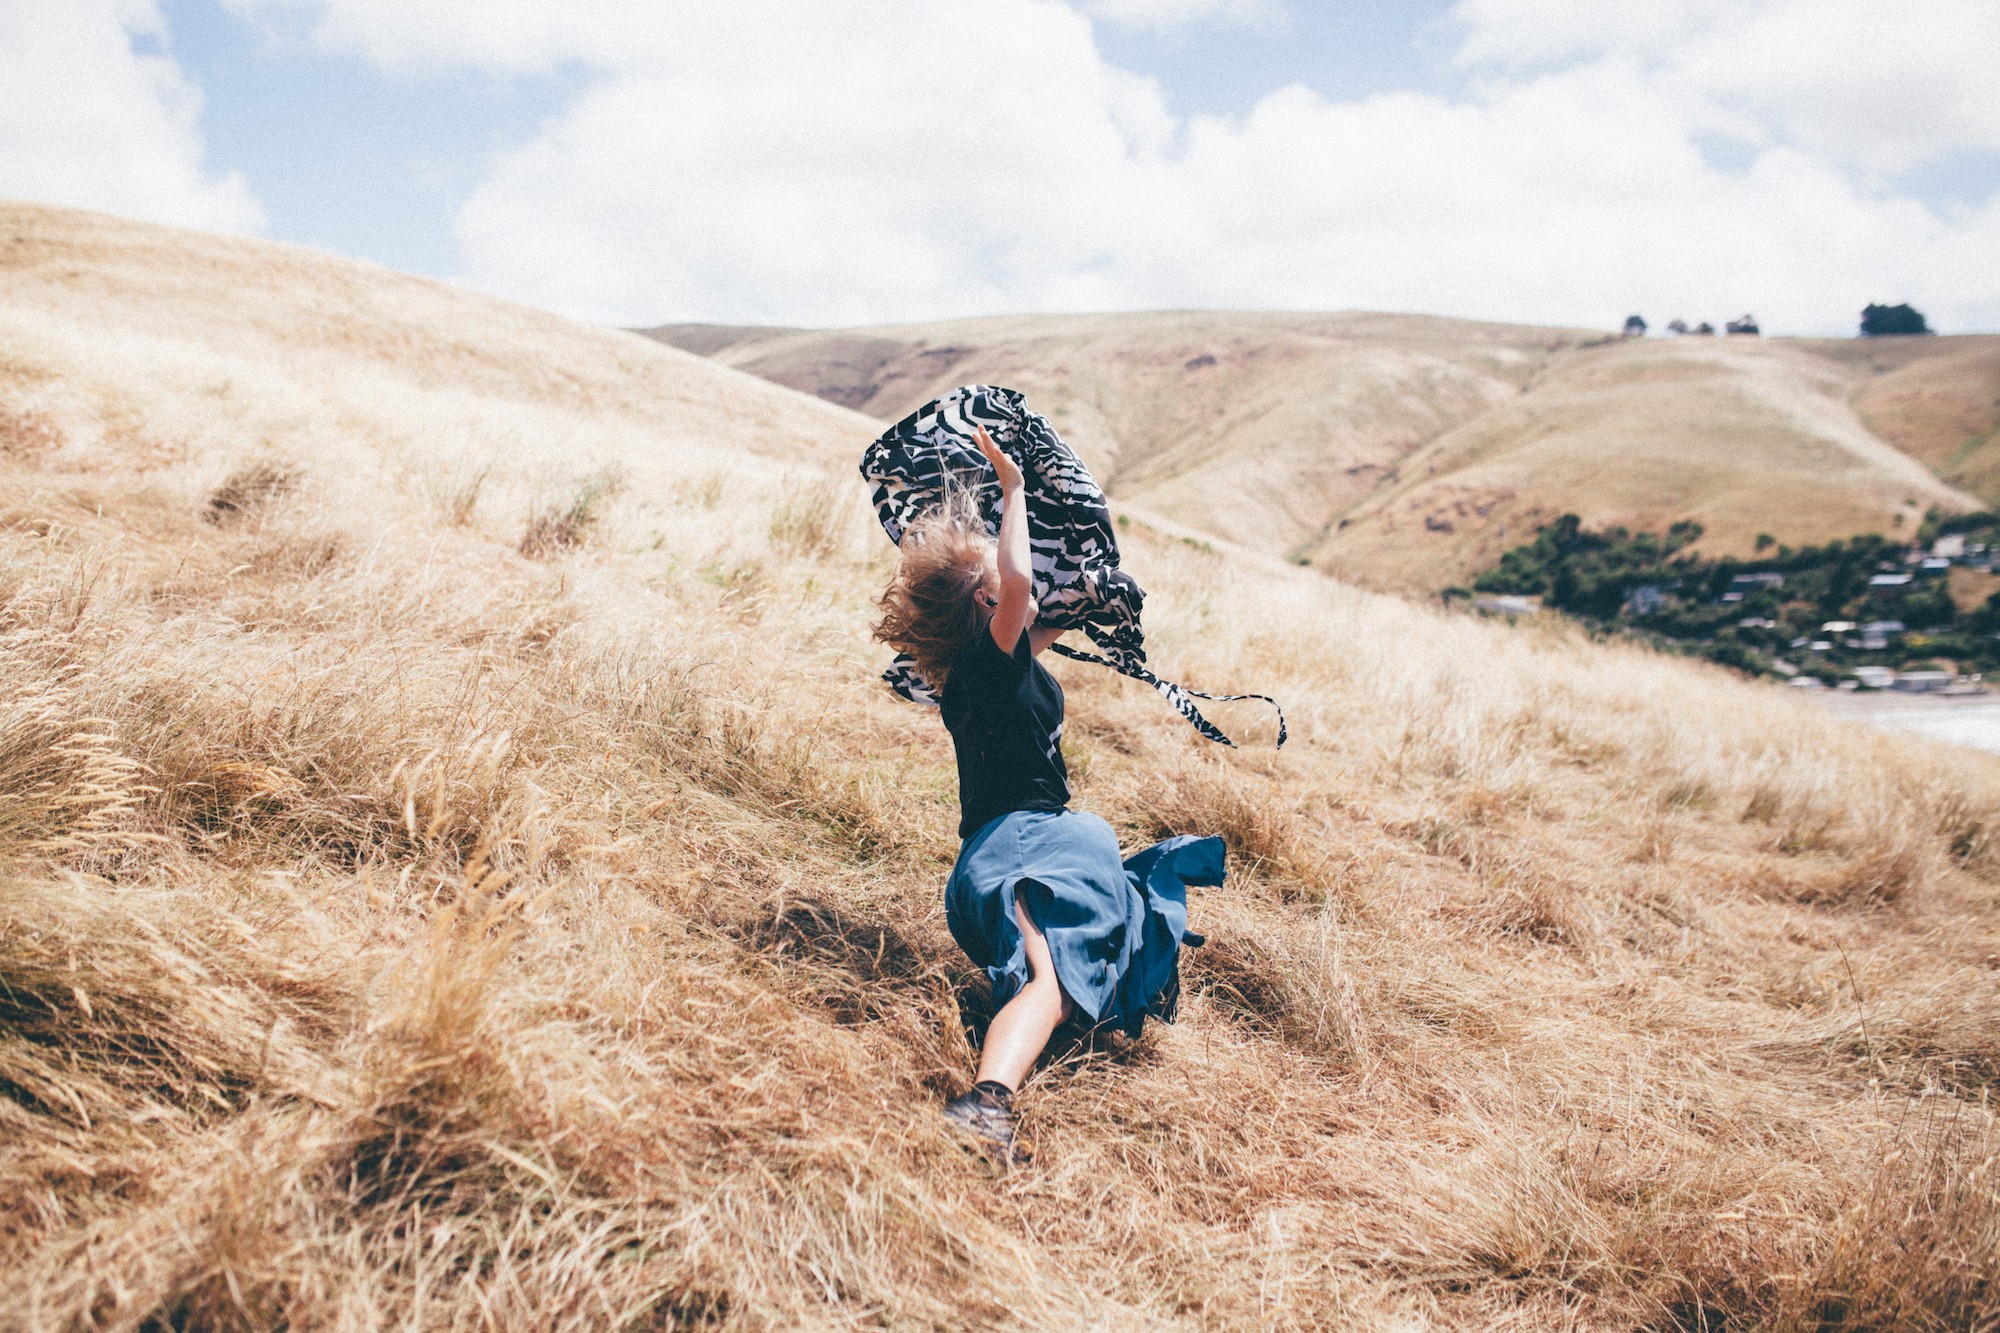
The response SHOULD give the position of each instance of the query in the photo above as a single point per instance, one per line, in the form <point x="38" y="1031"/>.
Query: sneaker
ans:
<point x="986" y="1116"/>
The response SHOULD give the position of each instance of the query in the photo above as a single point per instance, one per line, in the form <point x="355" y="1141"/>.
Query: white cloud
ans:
<point x="783" y="160"/>
<point x="87" y="121"/>
<point x="1531" y="33"/>
<point x="1880" y="87"/>
<point x="1166" y="15"/>
<point x="516" y="36"/>
<point x="1877" y="86"/>
<point x="942" y="161"/>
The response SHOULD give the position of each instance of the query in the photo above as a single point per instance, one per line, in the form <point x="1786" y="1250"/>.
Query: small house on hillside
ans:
<point x="1507" y="604"/>
<point x="1644" y="600"/>
<point x="1742" y="585"/>
<point x="1888" y="580"/>
<point x="1747" y="326"/>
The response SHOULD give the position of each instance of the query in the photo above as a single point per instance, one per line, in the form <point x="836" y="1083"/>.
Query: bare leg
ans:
<point x="1021" y="1030"/>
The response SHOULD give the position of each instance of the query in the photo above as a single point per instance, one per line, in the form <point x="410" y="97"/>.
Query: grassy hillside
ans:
<point x="1937" y="399"/>
<point x="458" y="870"/>
<point x="1743" y="436"/>
<point x="1407" y="452"/>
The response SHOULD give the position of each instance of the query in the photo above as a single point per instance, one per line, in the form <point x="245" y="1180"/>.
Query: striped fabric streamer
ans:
<point x="932" y="453"/>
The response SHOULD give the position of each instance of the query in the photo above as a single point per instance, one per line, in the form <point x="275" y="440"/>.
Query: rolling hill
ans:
<point x="1937" y="399"/>
<point x="459" y="870"/>
<point x="1406" y="452"/>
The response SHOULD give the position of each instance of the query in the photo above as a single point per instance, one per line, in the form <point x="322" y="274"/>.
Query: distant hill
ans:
<point x="1937" y="399"/>
<point x="1745" y="436"/>
<point x="1407" y="451"/>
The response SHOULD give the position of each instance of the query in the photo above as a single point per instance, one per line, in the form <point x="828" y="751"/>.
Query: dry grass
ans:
<point x="554" y="526"/>
<point x="397" y="931"/>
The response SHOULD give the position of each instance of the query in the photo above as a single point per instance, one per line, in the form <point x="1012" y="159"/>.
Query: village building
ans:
<point x="1508" y="604"/>
<point x="1742" y="585"/>
<point x="1644" y="600"/>
<point x="1875" y="635"/>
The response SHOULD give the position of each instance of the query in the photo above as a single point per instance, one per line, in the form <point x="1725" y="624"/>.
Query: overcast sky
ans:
<point x="829" y="162"/>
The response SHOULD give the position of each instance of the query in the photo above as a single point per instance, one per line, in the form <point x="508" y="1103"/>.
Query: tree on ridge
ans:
<point x="1880" y="320"/>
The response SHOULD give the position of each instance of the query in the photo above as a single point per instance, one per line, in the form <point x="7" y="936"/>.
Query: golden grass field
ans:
<point x="458" y="870"/>
<point x="1938" y="400"/>
<point x="1408" y="452"/>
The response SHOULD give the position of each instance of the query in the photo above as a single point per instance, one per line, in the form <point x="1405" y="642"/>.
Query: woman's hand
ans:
<point x="1008" y="470"/>
<point x="1016" y="608"/>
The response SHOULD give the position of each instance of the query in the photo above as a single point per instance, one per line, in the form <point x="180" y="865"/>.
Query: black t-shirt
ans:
<point x="1005" y="715"/>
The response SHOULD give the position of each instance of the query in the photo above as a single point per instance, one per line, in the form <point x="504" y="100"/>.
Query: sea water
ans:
<point x="1972" y="722"/>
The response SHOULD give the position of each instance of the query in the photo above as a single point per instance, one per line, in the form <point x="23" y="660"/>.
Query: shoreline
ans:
<point x="1970" y="720"/>
<point x="1862" y="701"/>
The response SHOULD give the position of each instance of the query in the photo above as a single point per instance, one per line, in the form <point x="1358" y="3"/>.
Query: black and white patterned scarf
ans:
<point x="932" y="452"/>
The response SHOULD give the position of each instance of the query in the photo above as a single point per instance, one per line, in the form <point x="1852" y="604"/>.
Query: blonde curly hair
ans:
<point x="929" y="610"/>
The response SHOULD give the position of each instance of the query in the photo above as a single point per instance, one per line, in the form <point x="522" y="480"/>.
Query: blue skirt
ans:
<point x="1115" y="927"/>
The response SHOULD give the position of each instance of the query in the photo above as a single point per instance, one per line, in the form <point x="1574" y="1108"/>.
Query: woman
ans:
<point x="1038" y="897"/>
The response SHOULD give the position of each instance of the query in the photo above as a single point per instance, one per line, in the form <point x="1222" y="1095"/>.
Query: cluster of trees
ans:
<point x="1636" y="326"/>
<point x="1591" y="574"/>
<point x="1876" y="321"/>
<point x="1748" y="613"/>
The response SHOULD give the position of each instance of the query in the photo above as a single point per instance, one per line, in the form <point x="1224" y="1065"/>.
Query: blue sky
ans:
<point x="1561" y="161"/>
<point x="342" y="154"/>
<point x="1341" y="51"/>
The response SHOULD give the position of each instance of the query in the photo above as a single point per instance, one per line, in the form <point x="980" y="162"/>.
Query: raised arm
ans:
<point x="1016" y="608"/>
